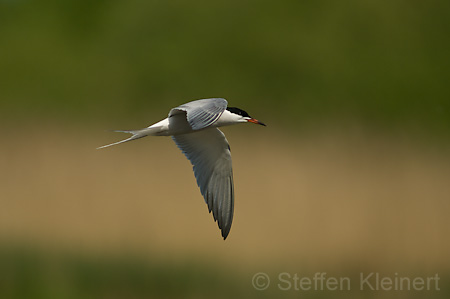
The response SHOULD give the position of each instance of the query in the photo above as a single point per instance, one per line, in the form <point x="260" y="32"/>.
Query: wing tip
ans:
<point x="225" y="233"/>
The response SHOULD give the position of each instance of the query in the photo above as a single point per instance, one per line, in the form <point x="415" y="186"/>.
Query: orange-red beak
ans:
<point x="255" y="121"/>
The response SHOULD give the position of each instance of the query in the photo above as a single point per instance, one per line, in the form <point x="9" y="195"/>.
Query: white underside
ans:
<point x="177" y="124"/>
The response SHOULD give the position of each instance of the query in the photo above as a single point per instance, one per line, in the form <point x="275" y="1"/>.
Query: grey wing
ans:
<point x="201" y="113"/>
<point x="209" y="153"/>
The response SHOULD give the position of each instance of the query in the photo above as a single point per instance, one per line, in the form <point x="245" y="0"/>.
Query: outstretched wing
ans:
<point x="201" y="113"/>
<point x="209" y="153"/>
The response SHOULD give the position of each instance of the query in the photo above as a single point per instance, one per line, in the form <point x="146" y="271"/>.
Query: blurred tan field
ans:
<point x="326" y="200"/>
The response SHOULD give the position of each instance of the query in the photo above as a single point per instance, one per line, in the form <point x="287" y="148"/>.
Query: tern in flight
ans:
<point x="194" y="128"/>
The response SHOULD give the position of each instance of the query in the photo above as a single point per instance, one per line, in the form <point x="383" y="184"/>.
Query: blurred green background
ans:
<point x="350" y="90"/>
<point x="384" y="62"/>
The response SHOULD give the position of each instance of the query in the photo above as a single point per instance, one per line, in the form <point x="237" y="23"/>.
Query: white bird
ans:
<point x="193" y="127"/>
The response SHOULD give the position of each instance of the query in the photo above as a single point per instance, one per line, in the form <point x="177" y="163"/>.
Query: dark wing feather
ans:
<point x="209" y="153"/>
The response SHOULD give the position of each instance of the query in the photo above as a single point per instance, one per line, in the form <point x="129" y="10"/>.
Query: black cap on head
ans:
<point x="238" y="111"/>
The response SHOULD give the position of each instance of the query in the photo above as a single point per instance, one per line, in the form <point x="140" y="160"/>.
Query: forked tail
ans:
<point x="136" y="135"/>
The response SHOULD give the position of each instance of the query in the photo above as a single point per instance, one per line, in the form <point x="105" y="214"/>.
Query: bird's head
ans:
<point x="240" y="115"/>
